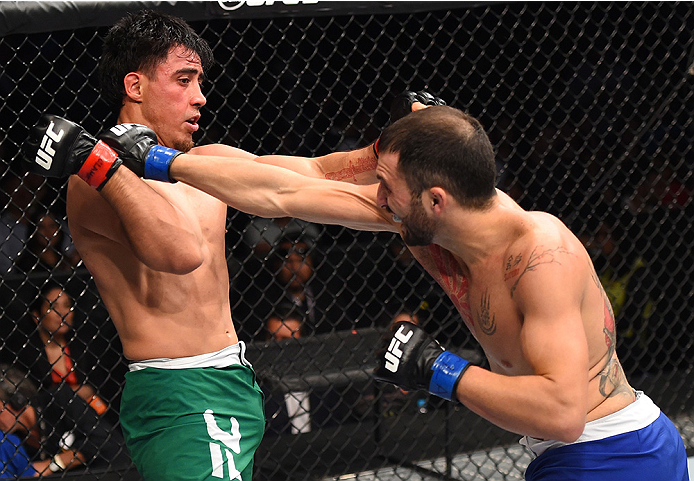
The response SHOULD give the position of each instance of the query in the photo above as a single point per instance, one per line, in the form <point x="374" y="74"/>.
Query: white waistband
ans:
<point x="633" y="417"/>
<point x="228" y="356"/>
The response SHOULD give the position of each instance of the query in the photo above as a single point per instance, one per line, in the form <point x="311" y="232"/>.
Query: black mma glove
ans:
<point x="137" y="146"/>
<point x="402" y="105"/>
<point x="59" y="148"/>
<point x="412" y="359"/>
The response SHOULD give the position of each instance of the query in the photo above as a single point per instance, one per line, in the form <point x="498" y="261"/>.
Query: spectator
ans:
<point x="294" y="410"/>
<point x="18" y="198"/>
<point x="289" y="276"/>
<point x="301" y="411"/>
<point x="284" y="323"/>
<point x="261" y="234"/>
<point x="50" y="350"/>
<point x="53" y="431"/>
<point x="48" y="249"/>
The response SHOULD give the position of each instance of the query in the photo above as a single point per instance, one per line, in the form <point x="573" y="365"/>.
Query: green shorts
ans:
<point x="194" y="423"/>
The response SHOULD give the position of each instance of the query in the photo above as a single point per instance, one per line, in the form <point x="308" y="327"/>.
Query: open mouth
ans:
<point x="193" y="121"/>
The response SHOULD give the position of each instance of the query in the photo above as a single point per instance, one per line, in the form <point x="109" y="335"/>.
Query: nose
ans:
<point x="381" y="198"/>
<point x="198" y="98"/>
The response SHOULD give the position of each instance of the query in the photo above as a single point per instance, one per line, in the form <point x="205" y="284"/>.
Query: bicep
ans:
<point x="88" y="213"/>
<point x="355" y="167"/>
<point x="221" y="150"/>
<point x="553" y="336"/>
<point x="301" y="165"/>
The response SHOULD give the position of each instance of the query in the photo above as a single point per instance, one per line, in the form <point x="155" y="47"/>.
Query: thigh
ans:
<point x="193" y="424"/>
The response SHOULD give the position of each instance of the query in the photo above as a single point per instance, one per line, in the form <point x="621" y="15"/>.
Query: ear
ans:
<point x="133" y="86"/>
<point x="437" y="200"/>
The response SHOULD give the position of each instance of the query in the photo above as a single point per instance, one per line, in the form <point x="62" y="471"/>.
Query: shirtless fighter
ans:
<point x="522" y="282"/>
<point x="191" y="409"/>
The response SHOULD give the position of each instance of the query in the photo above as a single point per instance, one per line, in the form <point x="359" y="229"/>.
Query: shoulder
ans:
<point x="546" y="257"/>
<point x="543" y="232"/>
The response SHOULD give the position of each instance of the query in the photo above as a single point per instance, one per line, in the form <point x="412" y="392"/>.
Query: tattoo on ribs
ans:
<point x="535" y="260"/>
<point x="612" y="378"/>
<point x="485" y="319"/>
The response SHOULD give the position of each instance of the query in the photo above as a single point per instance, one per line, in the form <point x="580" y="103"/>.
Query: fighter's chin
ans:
<point x="184" y="145"/>
<point x="418" y="239"/>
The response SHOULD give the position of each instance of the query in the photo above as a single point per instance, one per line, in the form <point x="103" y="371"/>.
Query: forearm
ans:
<point x="528" y="405"/>
<point x="156" y="231"/>
<point x="356" y="167"/>
<point x="551" y="406"/>
<point x="62" y="461"/>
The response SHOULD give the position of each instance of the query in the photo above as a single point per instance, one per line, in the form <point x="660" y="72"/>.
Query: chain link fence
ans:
<point x="589" y="106"/>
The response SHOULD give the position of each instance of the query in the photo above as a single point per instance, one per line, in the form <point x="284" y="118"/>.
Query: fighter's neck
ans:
<point x="474" y="236"/>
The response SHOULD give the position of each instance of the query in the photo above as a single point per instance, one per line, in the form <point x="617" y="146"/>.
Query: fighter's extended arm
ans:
<point x="357" y="166"/>
<point x="270" y="191"/>
<point x="255" y="188"/>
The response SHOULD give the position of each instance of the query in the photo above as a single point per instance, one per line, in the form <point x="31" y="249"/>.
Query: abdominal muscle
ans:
<point x="170" y="316"/>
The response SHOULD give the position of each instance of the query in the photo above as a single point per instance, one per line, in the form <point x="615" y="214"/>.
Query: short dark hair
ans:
<point x="445" y="147"/>
<point x="141" y="41"/>
<point x="16" y="388"/>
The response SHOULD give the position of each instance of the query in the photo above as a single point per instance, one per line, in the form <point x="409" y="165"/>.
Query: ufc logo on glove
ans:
<point x="46" y="152"/>
<point x="121" y="129"/>
<point x="412" y="359"/>
<point x="394" y="353"/>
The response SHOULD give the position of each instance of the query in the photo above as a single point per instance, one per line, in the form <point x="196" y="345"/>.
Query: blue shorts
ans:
<point x="654" y="453"/>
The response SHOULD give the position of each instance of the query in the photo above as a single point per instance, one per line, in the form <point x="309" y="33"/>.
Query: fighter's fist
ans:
<point x="402" y="105"/>
<point x="412" y="359"/>
<point x="59" y="148"/>
<point x="137" y="145"/>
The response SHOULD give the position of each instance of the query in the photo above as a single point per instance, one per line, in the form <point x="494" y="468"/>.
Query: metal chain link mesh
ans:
<point x="589" y="106"/>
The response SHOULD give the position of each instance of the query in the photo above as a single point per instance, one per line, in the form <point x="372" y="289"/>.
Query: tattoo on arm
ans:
<point x="359" y="166"/>
<point x="546" y="257"/>
<point x="485" y="319"/>
<point x="512" y="268"/>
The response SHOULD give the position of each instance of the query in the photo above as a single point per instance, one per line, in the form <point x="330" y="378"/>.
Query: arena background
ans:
<point x="589" y="106"/>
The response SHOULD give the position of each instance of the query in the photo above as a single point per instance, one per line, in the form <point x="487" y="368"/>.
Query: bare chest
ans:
<point x="484" y="302"/>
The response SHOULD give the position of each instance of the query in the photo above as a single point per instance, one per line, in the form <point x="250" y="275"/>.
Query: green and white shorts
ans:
<point x="195" y="418"/>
